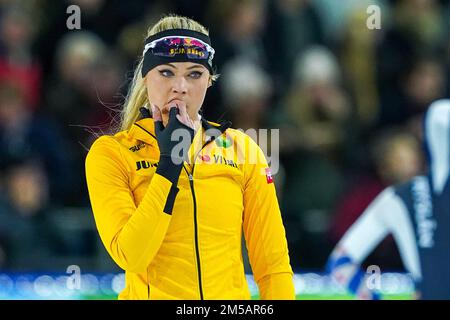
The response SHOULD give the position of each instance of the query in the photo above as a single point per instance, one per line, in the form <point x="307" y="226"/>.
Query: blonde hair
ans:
<point x="137" y="94"/>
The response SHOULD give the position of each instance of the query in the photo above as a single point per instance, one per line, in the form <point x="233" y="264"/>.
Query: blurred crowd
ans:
<point x="348" y="101"/>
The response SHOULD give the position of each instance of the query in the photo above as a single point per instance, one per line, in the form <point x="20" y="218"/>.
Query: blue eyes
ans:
<point x="195" y="74"/>
<point x="166" y="73"/>
<point x="169" y="73"/>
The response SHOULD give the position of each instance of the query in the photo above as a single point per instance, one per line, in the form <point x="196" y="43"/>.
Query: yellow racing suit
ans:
<point x="194" y="252"/>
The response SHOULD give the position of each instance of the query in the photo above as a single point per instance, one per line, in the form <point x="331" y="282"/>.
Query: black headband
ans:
<point x="151" y="60"/>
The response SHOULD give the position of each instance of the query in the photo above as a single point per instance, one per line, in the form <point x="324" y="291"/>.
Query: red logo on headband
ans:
<point x="174" y="41"/>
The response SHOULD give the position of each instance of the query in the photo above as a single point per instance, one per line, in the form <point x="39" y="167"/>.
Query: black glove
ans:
<point x="171" y="163"/>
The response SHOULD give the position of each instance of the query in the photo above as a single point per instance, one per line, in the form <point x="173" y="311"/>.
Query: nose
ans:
<point x="179" y="85"/>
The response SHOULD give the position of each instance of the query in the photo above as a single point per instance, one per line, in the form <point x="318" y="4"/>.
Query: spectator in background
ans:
<point x="30" y="136"/>
<point x="424" y="83"/>
<point x="106" y="19"/>
<point x="357" y="51"/>
<point x="420" y="84"/>
<point x="72" y="94"/>
<point x="396" y="157"/>
<point x="25" y="237"/>
<point x="237" y="27"/>
<point x="312" y="119"/>
<point x="315" y="111"/>
<point x="83" y="96"/>
<point x="107" y="80"/>
<point x="246" y="89"/>
<point x="17" y="61"/>
<point x="421" y="21"/>
<point x="410" y="70"/>
<point x="292" y="26"/>
<point x="334" y="15"/>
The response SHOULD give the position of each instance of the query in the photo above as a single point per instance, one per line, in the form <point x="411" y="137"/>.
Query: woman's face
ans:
<point x="181" y="83"/>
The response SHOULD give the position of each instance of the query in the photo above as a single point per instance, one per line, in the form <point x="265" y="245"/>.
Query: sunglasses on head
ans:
<point x="172" y="46"/>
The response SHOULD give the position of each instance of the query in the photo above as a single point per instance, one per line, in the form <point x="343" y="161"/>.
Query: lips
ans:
<point x="175" y="100"/>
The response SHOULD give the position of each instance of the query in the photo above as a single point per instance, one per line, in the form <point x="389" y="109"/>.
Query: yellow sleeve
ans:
<point x="132" y="235"/>
<point x="264" y="231"/>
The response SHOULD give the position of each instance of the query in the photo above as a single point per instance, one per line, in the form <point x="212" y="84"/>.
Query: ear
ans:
<point x="210" y="82"/>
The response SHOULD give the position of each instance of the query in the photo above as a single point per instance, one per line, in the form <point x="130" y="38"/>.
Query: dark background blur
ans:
<point x="348" y="102"/>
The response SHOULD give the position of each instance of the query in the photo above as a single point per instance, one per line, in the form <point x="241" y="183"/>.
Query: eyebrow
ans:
<point x="189" y="68"/>
<point x="195" y="66"/>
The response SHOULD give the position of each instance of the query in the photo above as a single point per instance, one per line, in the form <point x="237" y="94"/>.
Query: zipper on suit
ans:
<point x="197" y="251"/>
<point x="148" y="286"/>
